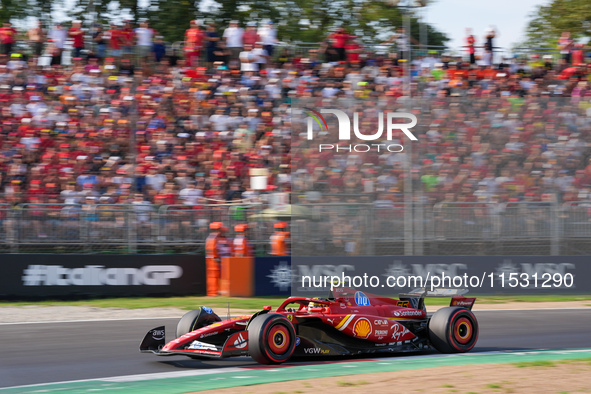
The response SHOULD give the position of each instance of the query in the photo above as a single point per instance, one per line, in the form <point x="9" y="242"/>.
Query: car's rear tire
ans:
<point x="271" y="338"/>
<point x="453" y="330"/>
<point x="197" y="318"/>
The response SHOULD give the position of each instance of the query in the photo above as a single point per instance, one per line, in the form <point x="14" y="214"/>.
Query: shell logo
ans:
<point x="362" y="328"/>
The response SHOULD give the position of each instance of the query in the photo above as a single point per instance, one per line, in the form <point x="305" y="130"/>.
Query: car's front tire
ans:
<point x="453" y="330"/>
<point x="197" y="318"/>
<point x="271" y="338"/>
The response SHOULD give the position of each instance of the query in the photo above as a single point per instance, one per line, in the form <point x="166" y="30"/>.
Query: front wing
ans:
<point x="155" y="342"/>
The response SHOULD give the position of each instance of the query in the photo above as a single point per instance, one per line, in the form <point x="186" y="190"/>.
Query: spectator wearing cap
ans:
<point x="77" y="34"/>
<point x="233" y="36"/>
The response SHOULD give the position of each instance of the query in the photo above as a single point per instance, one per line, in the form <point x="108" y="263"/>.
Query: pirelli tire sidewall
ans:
<point x="453" y="330"/>
<point x="271" y="338"/>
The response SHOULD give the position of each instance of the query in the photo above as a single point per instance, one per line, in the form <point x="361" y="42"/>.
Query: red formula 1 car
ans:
<point x="348" y="322"/>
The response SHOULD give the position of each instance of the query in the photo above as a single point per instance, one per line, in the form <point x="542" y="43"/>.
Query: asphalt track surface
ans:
<point x="53" y="352"/>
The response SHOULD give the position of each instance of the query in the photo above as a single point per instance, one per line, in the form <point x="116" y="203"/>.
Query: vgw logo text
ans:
<point x="344" y="130"/>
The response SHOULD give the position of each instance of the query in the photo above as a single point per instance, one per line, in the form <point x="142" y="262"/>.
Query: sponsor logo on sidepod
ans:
<point x="362" y="328"/>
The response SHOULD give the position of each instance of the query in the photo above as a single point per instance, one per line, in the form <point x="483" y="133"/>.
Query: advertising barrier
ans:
<point x="313" y="276"/>
<point x="76" y="276"/>
<point x="237" y="277"/>
<point x="272" y="276"/>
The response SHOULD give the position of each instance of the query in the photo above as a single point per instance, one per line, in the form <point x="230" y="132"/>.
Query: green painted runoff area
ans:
<point x="246" y="376"/>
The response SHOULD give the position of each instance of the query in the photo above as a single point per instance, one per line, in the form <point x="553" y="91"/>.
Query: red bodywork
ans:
<point x="366" y="319"/>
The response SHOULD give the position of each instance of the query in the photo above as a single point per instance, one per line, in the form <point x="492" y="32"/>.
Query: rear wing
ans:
<point x="416" y="297"/>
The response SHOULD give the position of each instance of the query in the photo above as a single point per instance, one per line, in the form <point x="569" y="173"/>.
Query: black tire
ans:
<point x="271" y="338"/>
<point x="453" y="330"/>
<point x="195" y="319"/>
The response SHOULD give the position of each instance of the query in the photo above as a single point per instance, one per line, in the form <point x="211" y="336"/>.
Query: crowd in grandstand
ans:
<point x="131" y="122"/>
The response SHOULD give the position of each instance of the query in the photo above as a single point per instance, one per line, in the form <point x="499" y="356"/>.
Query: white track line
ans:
<point x="383" y="360"/>
<point x="135" y="378"/>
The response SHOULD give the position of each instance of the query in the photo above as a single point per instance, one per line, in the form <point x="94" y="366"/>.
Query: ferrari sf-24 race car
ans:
<point x="347" y="323"/>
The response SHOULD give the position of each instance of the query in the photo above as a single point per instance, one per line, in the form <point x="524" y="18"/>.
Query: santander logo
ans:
<point x="240" y="342"/>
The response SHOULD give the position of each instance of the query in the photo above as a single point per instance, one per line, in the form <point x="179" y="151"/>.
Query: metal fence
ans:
<point x="527" y="228"/>
<point x="112" y="228"/>
<point x="537" y="228"/>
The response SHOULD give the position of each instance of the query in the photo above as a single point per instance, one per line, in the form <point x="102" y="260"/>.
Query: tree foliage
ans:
<point x="296" y="20"/>
<point x="549" y="21"/>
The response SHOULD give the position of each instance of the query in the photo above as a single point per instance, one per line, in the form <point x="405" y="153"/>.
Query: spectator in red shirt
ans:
<point x="578" y="55"/>
<point x="470" y="43"/>
<point x="353" y="49"/>
<point x="339" y="40"/>
<point x="77" y="34"/>
<point x="128" y="38"/>
<point x="116" y="40"/>
<point x="8" y="37"/>
<point x="250" y="36"/>
<point x="193" y="44"/>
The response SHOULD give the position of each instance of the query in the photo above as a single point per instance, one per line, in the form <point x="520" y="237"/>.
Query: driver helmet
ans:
<point x="314" y="305"/>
